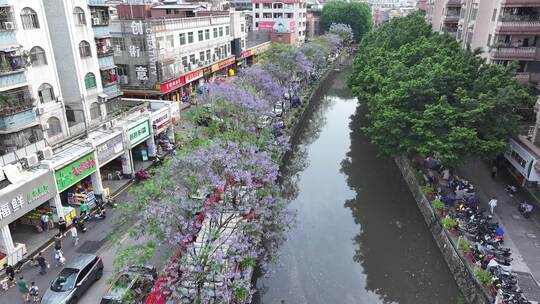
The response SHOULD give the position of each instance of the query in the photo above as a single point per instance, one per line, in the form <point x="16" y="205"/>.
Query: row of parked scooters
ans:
<point x="487" y="239"/>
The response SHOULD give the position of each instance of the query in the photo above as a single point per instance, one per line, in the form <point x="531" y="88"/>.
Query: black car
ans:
<point x="131" y="286"/>
<point x="73" y="281"/>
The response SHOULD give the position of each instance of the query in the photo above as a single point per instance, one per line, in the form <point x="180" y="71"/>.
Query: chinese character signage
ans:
<point x="139" y="133"/>
<point x="224" y="63"/>
<point x="109" y="149"/>
<point x="172" y="84"/>
<point x="74" y="172"/>
<point x="194" y="75"/>
<point x="21" y="199"/>
<point x="142" y="72"/>
<point x="160" y="122"/>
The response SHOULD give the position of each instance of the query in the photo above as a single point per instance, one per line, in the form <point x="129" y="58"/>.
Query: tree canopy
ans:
<point x="355" y="14"/>
<point x="426" y="95"/>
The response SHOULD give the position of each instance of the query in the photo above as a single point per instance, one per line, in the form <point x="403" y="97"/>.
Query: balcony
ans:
<point x="453" y="3"/>
<point x="102" y="31"/>
<point x="523" y="77"/>
<point x="519" y="24"/>
<point x="506" y="52"/>
<point x="97" y="2"/>
<point x="112" y="90"/>
<point x="522" y="3"/>
<point x="16" y="108"/>
<point x="104" y="52"/>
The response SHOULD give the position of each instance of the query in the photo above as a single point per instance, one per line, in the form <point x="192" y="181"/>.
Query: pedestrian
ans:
<point x="34" y="292"/>
<point x="10" y="272"/>
<point x="42" y="264"/>
<point x="74" y="235"/>
<point x="492" y="204"/>
<point x="62" y="225"/>
<point x="59" y="259"/>
<point x="84" y="210"/>
<point x="494" y="171"/>
<point x="23" y="289"/>
<point x="58" y="241"/>
<point x="44" y="222"/>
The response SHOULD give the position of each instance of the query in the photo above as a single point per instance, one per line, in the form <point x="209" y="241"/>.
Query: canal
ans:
<point x="359" y="236"/>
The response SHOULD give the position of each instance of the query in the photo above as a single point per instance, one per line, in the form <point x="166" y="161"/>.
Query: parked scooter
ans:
<point x="525" y="209"/>
<point x="511" y="190"/>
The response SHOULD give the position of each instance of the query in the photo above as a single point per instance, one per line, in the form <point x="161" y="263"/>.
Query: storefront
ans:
<point x="162" y="127"/>
<point x="30" y="195"/>
<point x="172" y="89"/>
<point x="224" y="68"/>
<point x="110" y="148"/>
<point x="140" y="143"/>
<point x="76" y="178"/>
<point x="193" y="82"/>
<point x="523" y="162"/>
<point x="249" y="56"/>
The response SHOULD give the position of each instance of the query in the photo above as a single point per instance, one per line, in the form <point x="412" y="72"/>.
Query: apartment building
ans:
<point x="31" y="109"/>
<point x="82" y="60"/>
<point x="505" y="30"/>
<point x="266" y="13"/>
<point x="313" y="20"/>
<point x="166" y="51"/>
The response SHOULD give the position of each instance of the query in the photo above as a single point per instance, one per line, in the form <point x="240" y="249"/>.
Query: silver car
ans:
<point x="73" y="281"/>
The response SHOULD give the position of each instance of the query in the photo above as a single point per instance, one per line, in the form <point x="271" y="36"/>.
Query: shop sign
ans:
<point x="109" y="149"/>
<point x="160" y="122"/>
<point x="261" y="48"/>
<point x="225" y="63"/>
<point x="139" y="133"/>
<point x="28" y="196"/>
<point x="171" y="85"/>
<point x="74" y="172"/>
<point x="193" y="75"/>
<point x="266" y="25"/>
<point x="246" y="53"/>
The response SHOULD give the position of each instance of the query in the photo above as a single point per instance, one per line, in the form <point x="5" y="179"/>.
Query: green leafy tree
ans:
<point x="426" y="95"/>
<point x="357" y="15"/>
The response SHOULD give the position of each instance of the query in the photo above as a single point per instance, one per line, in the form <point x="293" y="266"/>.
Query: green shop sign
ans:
<point x="75" y="171"/>
<point x="139" y="133"/>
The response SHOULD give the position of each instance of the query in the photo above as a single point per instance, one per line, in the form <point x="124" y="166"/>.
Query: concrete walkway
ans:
<point x="522" y="235"/>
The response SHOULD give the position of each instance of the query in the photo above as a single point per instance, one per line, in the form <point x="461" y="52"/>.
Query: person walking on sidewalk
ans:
<point x="42" y="264"/>
<point x="23" y="289"/>
<point x="62" y="225"/>
<point x="494" y="170"/>
<point x="492" y="204"/>
<point x="59" y="259"/>
<point x="84" y="210"/>
<point x="74" y="235"/>
<point x="58" y="242"/>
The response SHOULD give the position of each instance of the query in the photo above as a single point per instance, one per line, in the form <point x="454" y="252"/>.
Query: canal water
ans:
<point x="359" y="236"/>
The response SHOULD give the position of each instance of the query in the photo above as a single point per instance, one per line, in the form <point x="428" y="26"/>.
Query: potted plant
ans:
<point x="449" y="223"/>
<point x="465" y="248"/>
<point x="427" y="191"/>
<point x="439" y="207"/>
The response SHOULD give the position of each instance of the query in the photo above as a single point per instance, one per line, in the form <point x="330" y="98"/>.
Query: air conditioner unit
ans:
<point x="46" y="153"/>
<point x="31" y="160"/>
<point x="124" y="79"/>
<point x="102" y="98"/>
<point x="9" y="25"/>
<point x="46" y="126"/>
<point x="40" y="111"/>
<point x="95" y="21"/>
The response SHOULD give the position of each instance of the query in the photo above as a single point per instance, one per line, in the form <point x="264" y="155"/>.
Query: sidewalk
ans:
<point x="522" y="235"/>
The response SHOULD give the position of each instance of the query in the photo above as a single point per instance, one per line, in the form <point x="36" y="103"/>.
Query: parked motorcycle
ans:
<point x="525" y="209"/>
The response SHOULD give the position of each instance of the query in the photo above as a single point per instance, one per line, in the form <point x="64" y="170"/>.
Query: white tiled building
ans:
<point x="267" y="12"/>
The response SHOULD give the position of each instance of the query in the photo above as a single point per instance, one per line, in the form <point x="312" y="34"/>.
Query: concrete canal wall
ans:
<point x="463" y="274"/>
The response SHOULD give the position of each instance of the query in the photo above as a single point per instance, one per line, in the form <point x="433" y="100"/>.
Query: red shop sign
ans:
<point x="266" y="25"/>
<point x="172" y="84"/>
<point x="194" y="75"/>
<point x="226" y="63"/>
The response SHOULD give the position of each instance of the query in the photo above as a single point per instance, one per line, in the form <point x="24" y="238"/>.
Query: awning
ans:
<point x="10" y="47"/>
<point x="112" y="66"/>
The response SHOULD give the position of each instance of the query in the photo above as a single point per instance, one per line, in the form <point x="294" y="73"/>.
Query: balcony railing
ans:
<point x="515" y="53"/>
<point x="104" y="53"/>
<point x="525" y="3"/>
<point x="112" y="90"/>
<point x="453" y="3"/>
<point x="12" y="79"/>
<point x="523" y="77"/>
<point x="102" y="31"/>
<point x="519" y="18"/>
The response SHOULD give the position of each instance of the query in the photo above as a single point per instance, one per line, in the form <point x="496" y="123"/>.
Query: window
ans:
<point x="90" y="81"/>
<point x="119" y="43"/>
<point x="256" y="5"/>
<point x="84" y="49"/>
<point x="201" y="36"/>
<point x="159" y="43"/>
<point x="215" y="32"/>
<point x="80" y="18"/>
<point x="207" y="34"/>
<point x="289" y="15"/>
<point x="201" y="56"/>
<point x="227" y="31"/>
<point x="190" y="37"/>
<point x="55" y="127"/>
<point x="29" y="18"/>
<point x="267" y="5"/>
<point x="192" y="58"/>
<point x="278" y="5"/>
<point x="257" y="15"/>
<point x="220" y="32"/>
<point x="278" y="15"/>
<point x="489" y="40"/>
<point x="242" y="27"/>
<point x="520" y="160"/>
<point x="139" y="42"/>
<point x="182" y="38"/>
<point x="267" y="15"/>
<point x="494" y="14"/>
<point x="184" y="61"/>
<point x="217" y="52"/>
<point x="95" y="113"/>
<point x="170" y="41"/>
<point x="46" y="93"/>
<point x="122" y="70"/>
<point x="208" y="54"/>
<point x="37" y="56"/>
